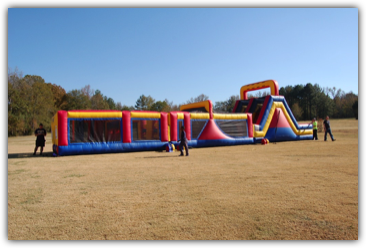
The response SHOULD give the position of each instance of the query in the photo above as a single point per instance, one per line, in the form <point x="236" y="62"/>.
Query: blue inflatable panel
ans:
<point x="93" y="148"/>
<point x="225" y="142"/>
<point x="284" y="134"/>
<point x="221" y="142"/>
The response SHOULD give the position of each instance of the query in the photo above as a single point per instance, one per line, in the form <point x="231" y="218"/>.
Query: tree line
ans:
<point x="309" y="101"/>
<point x="32" y="101"/>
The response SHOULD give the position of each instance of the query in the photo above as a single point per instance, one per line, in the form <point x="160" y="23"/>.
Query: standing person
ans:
<point x="327" y="129"/>
<point x="183" y="142"/>
<point x="315" y="129"/>
<point x="40" y="141"/>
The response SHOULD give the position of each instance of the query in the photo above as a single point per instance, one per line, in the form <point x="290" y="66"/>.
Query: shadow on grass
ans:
<point x="29" y="155"/>
<point x="166" y="156"/>
<point x="159" y="157"/>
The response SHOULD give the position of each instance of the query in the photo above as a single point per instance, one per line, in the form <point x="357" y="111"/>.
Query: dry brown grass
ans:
<point x="303" y="190"/>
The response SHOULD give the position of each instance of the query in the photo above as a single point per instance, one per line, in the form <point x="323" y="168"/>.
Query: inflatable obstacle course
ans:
<point x="252" y="121"/>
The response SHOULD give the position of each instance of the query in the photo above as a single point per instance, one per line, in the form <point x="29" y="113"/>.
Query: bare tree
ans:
<point x="199" y="98"/>
<point x="87" y="91"/>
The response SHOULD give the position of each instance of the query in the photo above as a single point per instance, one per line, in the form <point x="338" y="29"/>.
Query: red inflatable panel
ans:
<point x="279" y="122"/>
<point x="249" y="105"/>
<point x="164" y="126"/>
<point x="236" y="105"/>
<point x="62" y="128"/>
<point x="250" y="125"/>
<point x="264" y="108"/>
<point x="210" y="108"/>
<point x="187" y="124"/>
<point x="173" y="126"/>
<point x="126" y="124"/>
<point x="212" y="132"/>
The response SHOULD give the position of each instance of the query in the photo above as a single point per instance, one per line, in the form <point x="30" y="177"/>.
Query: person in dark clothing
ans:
<point x="327" y="129"/>
<point x="183" y="142"/>
<point x="40" y="141"/>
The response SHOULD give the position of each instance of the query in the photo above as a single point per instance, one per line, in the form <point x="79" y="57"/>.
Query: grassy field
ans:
<point x="301" y="190"/>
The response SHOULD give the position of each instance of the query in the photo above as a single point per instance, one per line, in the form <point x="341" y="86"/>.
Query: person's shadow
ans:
<point x="29" y="155"/>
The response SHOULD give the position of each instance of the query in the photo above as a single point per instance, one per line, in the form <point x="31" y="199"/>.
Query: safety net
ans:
<point x="233" y="128"/>
<point x="197" y="126"/>
<point x="84" y="131"/>
<point x="145" y="130"/>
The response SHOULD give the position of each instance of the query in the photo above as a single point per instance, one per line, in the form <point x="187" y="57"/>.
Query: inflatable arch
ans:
<point x="106" y="131"/>
<point x="260" y="85"/>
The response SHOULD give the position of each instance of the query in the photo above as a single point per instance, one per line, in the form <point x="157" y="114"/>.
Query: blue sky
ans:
<point x="179" y="53"/>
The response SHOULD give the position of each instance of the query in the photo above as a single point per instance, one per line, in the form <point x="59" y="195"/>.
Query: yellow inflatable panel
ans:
<point x="180" y="116"/>
<point x="144" y="115"/>
<point x="73" y="114"/>
<point x="203" y="104"/>
<point x="204" y="116"/>
<point x="230" y="116"/>
<point x="54" y="129"/>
